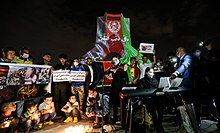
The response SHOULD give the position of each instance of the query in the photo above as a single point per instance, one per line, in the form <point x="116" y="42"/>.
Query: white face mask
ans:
<point x="82" y="62"/>
<point x="90" y="95"/>
<point x="115" y="61"/>
<point x="25" y="55"/>
<point x="75" y="63"/>
<point x="158" y="63"/>
<point x="150" y="73"/>
<point x="197" y="54"/>
<point x="178" y="55"/>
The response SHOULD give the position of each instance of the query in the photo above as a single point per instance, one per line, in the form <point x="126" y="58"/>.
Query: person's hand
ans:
<point x="68" y="103"/>
<point x="172" y="76"/>
<point x="175" y="66"/>
<point x="154" y="51"/>
<point x="50" y="110"/>
<point x="5" y="124"/>
<point x="125" y="67"/>
<point x="35" y="116"/>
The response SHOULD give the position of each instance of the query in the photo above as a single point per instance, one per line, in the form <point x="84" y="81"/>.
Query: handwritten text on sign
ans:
<point x="66" y="75"/>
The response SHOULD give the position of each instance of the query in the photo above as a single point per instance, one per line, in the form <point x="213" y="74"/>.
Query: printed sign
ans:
<point x="61" y="75"/>
<point x="146" y="48"/>
<point x="77" y="76"/>
<point x="67" y="75"/>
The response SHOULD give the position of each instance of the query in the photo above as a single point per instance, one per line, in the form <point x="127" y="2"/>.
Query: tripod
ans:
<point x="101" y="101"/>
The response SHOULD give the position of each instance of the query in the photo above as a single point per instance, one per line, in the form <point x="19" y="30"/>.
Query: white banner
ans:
<point x="61" y="75"/>
<point x="77" y="76"/>
<point x="66" y="75"/>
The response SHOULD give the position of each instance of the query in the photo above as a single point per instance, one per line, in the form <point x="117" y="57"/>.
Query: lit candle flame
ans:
<point x="78" y="129"/>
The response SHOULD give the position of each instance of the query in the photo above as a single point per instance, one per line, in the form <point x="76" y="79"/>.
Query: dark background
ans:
<point x="69" y="26"/>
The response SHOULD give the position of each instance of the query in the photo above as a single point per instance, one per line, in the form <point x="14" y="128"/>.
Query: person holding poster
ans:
<point x="145" y="62"/>
<point x="61" y="88"/>
<point x="24" y="57"/>
<point x="77" y="87"/>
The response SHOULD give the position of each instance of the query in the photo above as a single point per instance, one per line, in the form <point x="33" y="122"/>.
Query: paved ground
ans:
<point x="207" y="126"/>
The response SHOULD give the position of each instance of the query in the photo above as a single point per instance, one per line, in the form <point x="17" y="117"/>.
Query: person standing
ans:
<point x="8" y="55"/>
<point x="184" y="71"/>
<point x="134" y="72"/>
<point x="145" y="62"/>
<point x="120" y="79"/>
<point x="61" y="88"/>
<point x="24" y="57"/>
<point x="47" y="59"/>
<point x="210" y="60"/>
<point x="77" y="87"/>
<point x="184" y="68"/>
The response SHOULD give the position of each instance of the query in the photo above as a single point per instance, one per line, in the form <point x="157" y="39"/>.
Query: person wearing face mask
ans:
<point x="200" y="83"/>
<point x="77" y="87"/>
<point x="71" y="109"/>
<point x="120" y="79"/>
<point x="184" y="68"/>
<point x="24" y="57"/>
<point x="153" y="104"/>
<point x="148" y="81"/>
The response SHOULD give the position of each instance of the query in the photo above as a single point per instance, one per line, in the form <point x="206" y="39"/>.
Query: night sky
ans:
<point x="69" y="26"/>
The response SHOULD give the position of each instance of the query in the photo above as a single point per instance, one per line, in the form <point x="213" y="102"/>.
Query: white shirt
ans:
<point x="45" y="106"/>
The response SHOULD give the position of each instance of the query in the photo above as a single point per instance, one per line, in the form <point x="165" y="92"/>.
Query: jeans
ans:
<point x="29" y="123"/>
<point x="73" y="113"/>
<point x="48" y="116"/>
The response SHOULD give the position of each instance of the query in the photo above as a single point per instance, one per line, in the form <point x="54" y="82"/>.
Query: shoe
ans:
<point x="40" y="125"/>
<point x="48" y="123"/>
<point x="75" y="120"/>
<point x="69" y="119"/>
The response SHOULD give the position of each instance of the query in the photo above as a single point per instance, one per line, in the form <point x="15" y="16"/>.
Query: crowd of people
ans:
<point x="82" y="100"/>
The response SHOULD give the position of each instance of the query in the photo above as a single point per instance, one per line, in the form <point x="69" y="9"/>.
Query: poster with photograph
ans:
<point x="20" y="74"/>
<point x="3" y="74"/>
<point x="146" y="48"/>
<point x="24" y="81"/>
